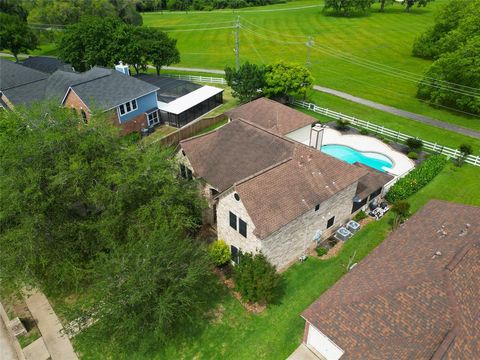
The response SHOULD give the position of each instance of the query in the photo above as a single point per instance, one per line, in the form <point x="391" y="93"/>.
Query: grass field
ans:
<point x="275" y="333"/>
<point x="367" y="56"/>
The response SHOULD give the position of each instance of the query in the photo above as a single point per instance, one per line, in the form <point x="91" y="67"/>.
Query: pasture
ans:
<point x="368" y="56"/>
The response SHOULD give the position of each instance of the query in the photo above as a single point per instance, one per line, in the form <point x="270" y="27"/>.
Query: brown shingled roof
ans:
<point x="405" y="302"/>
<point x="282" y="193"/>
<point x="372" y="181"/>
<point x="271" y="115"/>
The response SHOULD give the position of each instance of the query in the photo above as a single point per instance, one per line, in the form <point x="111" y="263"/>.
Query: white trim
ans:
<point x="135" y="98"/>
<point x="337" y="349"/>
<point x="189" y="100"/>
<point x="132" y="108"/>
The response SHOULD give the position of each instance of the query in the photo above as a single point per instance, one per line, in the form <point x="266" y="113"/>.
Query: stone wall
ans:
<point x="227" y="203"/>
<point x="287" y="244"/>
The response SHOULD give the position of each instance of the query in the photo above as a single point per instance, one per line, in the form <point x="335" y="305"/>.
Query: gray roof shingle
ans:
<point x="46" y="64"/>
<point x="13" y="74"/>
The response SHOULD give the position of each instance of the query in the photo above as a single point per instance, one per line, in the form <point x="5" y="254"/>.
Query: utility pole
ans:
<point x="237" y="43"/>
<point x="309" y="44"/>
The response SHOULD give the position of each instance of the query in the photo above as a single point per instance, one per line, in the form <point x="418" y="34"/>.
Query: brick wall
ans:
<point x="135" y="124"/>
<point x="73" y="101"/>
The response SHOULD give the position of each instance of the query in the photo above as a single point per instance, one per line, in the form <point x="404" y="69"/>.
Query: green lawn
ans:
<point x="341" y="45"/>
<point x="393" y="122"/>
<point x="275" y="333"/>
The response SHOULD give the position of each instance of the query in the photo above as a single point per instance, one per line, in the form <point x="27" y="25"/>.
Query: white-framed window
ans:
<point x="128" y="107"/>
<point x="153" y="118"/>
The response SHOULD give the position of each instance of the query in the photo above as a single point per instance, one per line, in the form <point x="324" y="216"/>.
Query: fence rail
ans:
<point x="204" y="79"/>
<point x="386" y="132"/>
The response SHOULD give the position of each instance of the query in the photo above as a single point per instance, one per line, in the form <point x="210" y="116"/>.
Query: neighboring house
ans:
<point x="46" y="64"/>
<point x="269" y="193"/>
<point x="416" y="296"/>
<point x="180" y="102"/>
<point x="132" y="103"/>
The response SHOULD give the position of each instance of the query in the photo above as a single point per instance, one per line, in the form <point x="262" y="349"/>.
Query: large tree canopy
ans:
<point x="453" y="42"/>
<point x="105" y="41"/>
<point x="15" y="35"/>
<point x="284" y="79"/>
<point x="72" y="191"/>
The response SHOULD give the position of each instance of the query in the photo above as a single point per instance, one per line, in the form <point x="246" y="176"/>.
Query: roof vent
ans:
<point x="464" y="230"/>
<point x="436" y="255"/>
<point x="442" y="231"/>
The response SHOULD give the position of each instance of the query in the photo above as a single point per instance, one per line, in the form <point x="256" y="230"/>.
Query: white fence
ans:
<point x="204" y="79"/>
<point x="386" y="132"/>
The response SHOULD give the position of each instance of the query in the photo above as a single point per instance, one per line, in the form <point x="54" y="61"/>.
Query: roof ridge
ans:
<point x="258" y="173"/>
<point x="90" y="80"/>
<point x="283" y="137"/>
<point x="27" y="83"/>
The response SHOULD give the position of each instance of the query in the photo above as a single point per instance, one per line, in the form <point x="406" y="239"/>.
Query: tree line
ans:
<point x="186" y="5"/>
<point x="347" y="7"/>
<point x="114" y="41"/>
<point x="453" y="43"/>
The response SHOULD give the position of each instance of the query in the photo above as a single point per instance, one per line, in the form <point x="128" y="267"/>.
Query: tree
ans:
<point x="13" y="8"/>
<point x="73" y="193"/>
<point x="132" y="46"/>
<point x="15" y="35"/>
<point x="283" y="80"/>
<point x="247" y="82"/>
<point x="161" y="49"/>
<point x="345" y="7"/>
<point x="256" y="279"/>
<point x="414" y="144"/>
<point x="459" y="68"/>
<point x="90" y="42"/>
<point x="401" y="209"/>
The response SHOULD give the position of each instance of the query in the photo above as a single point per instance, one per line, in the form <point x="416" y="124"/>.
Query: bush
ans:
<point x="414" y="144"/>
<point x="341" y="125"/>
<point x="416" y="179"/>
<point x="466" y="149"/>
<point x="360" y="216"/>
<point x="412" y="155"/>
<point x="364" y="132"/>
<point x="219" y="252"/>
<point x="255" y="278"/>
<point x="401" y="208"/>
<point x="321" y="251"/>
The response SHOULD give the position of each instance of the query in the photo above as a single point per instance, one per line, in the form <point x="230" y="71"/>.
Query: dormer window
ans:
<point x="128" y="107"/>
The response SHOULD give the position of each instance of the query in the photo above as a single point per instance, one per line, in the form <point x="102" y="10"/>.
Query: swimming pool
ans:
<point x="349" y="155"/>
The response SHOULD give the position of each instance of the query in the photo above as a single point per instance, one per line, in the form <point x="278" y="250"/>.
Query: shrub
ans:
<point x="219" y="252"/>
<point x="412" y="155"/>
<point x="414" y="144"/>
<point x="341" y="125"/>
<point x="321" y="251"/>
<point x="416" y="179"/>
<point x="360" y="216"/>
<point x="255" y="278"/>
<point x="401" y="210"/>
<point x="466" y="149"/>
<point x="364" y="132"/>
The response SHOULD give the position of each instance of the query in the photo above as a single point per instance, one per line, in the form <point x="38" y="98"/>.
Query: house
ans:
<point x="416" y="296"/>
<point x="275" y="117"/>
<point x="269" y="193"/>
<point x="132" y="103"/>
<point x="179" y="101"/>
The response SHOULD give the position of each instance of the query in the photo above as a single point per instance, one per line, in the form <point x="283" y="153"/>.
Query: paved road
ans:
<point x="208" y="71"/>
<point x="399" y="112"/>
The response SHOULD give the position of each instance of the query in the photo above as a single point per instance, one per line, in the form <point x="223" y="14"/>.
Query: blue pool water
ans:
<point x="349" y="155"/>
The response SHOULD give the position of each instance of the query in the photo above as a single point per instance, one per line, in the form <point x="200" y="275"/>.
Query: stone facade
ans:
<point x="226" y="204"/>
<point x="291" y="241"/>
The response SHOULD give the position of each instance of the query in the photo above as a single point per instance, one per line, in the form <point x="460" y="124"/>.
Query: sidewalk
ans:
<point x="58" y="345"/>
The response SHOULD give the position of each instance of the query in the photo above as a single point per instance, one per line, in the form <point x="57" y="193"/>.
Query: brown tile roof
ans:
<point x="405" y="302"/>
<point x="272" y="116"/>
<point x="372" y="181"/>
<point x="278" y="195"/>
<point x="234" y="152"/>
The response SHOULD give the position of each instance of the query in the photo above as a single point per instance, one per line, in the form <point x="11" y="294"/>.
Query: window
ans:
<point x="185" y="172"/>
<point x="84" y="116"/>
<point x="233" y="221"/>
<point x="128" y="107"/>
<point x="242" y="227"/>
<point x="317" y="207"/>
<point x="235" y="254"/>
<point x="153" y="118"/>
<point x="330" y="222"/>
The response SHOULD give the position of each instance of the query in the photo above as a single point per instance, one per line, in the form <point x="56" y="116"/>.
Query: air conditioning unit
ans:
<point x="353" y="226"/>
<point x="343" y="234"/>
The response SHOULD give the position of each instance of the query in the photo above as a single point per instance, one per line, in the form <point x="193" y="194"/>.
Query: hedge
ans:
<point x="416" y="179"/>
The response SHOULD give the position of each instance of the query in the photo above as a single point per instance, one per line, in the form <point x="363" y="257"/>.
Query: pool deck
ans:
<point x="400" y="163"/>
